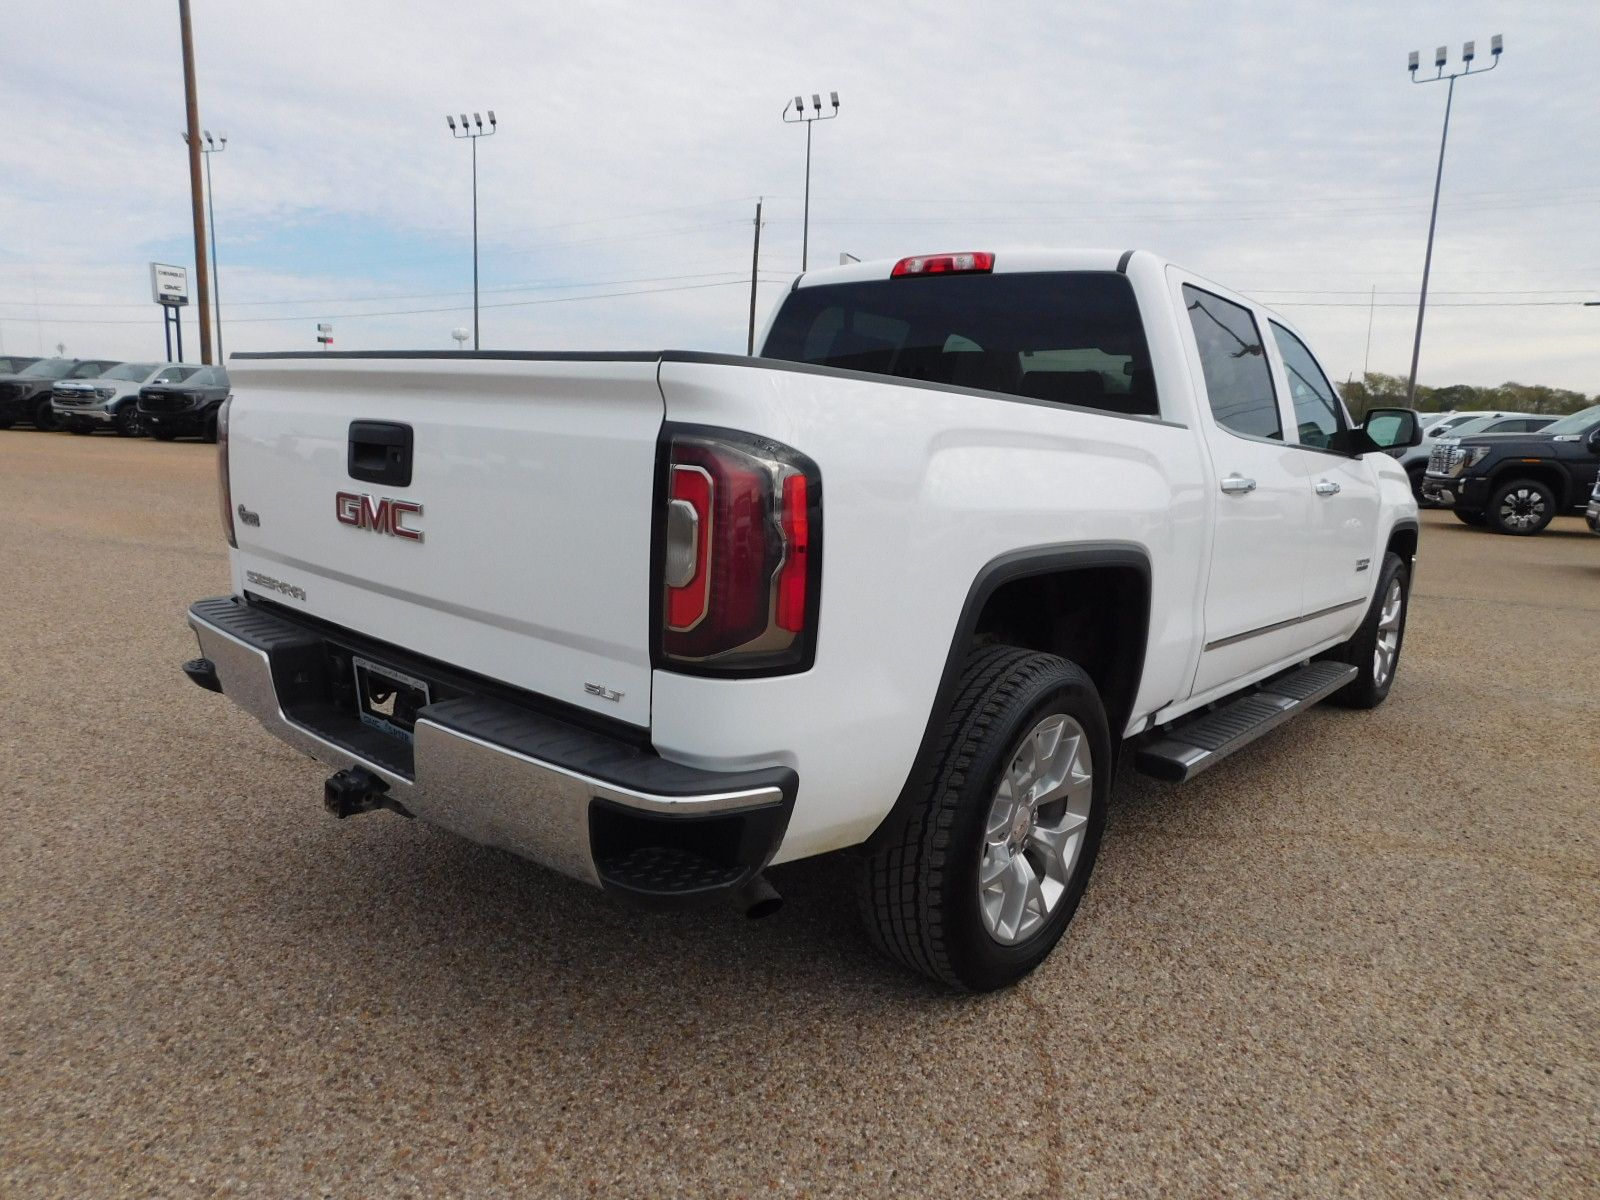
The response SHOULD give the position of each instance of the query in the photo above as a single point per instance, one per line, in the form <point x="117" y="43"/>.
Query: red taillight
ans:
<point x="966" y="263"/>
<point x="739" y="562"/>
<point x="224" y="488"/>
<point x="792" y="576"/>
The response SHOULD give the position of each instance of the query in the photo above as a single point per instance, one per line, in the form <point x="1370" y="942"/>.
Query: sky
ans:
<point x="1278" y="148"/>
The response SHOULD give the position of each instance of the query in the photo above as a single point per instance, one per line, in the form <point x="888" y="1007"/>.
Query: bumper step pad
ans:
<point x="1185" y="749"/>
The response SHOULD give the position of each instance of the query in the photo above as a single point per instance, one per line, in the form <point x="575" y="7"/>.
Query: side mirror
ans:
<point x="1392" y="428"/>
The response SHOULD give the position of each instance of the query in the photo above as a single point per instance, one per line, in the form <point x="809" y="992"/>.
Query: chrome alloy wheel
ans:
<point x="1387" y="647"/>
<point x="1522" y="508"/>
<point x="1035" y="829"/>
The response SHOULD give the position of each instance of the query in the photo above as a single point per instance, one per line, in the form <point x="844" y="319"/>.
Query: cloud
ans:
<point x="1279" y="149"/>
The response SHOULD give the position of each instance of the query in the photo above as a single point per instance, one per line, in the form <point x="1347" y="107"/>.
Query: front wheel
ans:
<point x="129" y="423"/>
<point x="44" y="417"/>
<point x="976" y="881"/>
<point x="1522" y="507"/>
<point x="81" y="428"/>
<point x="1375" y="649"/>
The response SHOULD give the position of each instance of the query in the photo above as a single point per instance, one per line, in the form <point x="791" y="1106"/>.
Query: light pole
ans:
<point x="472" y="133"/>
<point x="1440" y="57"/>
<point x="213" y="146"/>
<point x="798" y="107"/>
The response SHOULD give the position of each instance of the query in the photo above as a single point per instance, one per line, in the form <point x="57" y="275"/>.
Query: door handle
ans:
<point x="1238" y="485"/>
<point x="1327" y="487"/>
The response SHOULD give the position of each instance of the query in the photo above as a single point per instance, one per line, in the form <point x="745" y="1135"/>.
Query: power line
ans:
<point x="504" y="289"/>
<point x="406" y="312"/>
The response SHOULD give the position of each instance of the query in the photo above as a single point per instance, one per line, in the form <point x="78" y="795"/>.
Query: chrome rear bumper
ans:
<point x="509" y="777"/>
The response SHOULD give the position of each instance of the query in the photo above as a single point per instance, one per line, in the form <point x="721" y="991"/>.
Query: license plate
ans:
<point x="386" y="699"/>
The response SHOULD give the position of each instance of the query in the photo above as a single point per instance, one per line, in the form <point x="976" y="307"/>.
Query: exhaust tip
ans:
<point x="756" y="898"/>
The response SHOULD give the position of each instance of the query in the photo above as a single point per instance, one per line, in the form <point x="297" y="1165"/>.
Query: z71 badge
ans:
<point x="379" y="514"/>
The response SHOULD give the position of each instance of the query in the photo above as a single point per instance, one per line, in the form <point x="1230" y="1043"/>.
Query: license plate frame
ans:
<point x="401" y="696"/>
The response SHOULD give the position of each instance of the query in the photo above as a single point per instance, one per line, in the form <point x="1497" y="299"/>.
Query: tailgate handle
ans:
<point x="380" y="452"/>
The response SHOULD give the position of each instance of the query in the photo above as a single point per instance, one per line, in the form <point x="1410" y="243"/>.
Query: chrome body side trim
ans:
<point x="1276" y="625"/>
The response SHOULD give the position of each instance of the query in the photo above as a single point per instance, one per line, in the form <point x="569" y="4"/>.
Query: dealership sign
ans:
<point x="169" y="285"/>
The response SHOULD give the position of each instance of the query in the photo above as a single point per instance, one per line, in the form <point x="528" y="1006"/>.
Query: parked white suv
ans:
<point x="973" y="528"/>
<point x="111" y="400"/>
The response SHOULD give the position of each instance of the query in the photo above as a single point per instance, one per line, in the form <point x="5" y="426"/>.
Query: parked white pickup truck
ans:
<point x="971" y="528"/>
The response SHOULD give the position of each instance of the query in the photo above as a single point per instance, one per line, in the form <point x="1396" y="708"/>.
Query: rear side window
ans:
<point x="1317" y="411"/>
<point x="1065" y="337"/>
<point x="1238" y="380"/>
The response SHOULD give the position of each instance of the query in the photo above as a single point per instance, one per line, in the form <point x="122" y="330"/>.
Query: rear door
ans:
<point x="1253" y="591"/>
<point x="519" y="548"/>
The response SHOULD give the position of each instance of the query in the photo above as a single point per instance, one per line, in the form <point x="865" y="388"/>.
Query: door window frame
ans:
<point x="1182" y="280"/>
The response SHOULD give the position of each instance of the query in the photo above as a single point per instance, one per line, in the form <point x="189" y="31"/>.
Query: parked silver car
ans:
<point x="111" y="401"/>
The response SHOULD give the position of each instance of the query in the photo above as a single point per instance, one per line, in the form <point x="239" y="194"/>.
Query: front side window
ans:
<point x="92" y="369"/>
<point x="175" y="374"/>
<point x="1064" y="337"/>
<point x="1238" y="380"/>
<point x="1317" y="412"/>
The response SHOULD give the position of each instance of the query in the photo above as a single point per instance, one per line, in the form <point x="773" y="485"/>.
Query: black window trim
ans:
<point x="1277" y="400"/>
<point x="1343" y="414"/>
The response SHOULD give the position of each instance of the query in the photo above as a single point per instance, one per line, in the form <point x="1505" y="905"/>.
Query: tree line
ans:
<point x="1373" y="390"/>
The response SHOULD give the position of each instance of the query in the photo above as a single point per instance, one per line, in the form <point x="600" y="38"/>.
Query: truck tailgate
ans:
<point x="534" y="479"/>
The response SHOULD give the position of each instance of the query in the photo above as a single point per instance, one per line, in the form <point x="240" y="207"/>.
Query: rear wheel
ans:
<point x="975" y="886"/>
<point x="44" y="417"/>
<point x="1375" y="649"/>
<point x="1522" y="507"/>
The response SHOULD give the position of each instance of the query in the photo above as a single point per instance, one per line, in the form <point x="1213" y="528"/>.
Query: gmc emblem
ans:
<point x="381" y="515"/>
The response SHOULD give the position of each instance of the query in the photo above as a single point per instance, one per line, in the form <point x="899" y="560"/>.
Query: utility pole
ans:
<point x="213" y="146"/>
<point x="472" y="135"/>
<point x="1366" y="361"/>
<point x="1441" y="57"/>
<point x="755" y="265"/>
<point x="196" y="200"/>
<point x="798" y="105"/>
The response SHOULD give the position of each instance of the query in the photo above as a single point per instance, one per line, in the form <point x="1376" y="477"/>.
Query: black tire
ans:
<point x="210" y="434"/>
<point x="919" y="880"/>
<point x="1521" y="508"/>
<point x="1415" y="474"/>
<point x="44" y="417"/>
<point x="1476" y="519"/>
<point x="6" y="423"/>
<point x="163" y="435"/>
<point x="82" y="429"/>
<point x="1367" y="690"/>
<point x="129" y="423"/>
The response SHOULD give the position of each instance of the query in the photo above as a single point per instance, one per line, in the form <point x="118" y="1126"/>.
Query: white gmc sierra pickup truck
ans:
<point x="971" y="527"/>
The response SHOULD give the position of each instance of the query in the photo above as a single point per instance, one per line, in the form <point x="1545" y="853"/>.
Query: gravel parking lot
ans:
<point x="1361" y="959"/>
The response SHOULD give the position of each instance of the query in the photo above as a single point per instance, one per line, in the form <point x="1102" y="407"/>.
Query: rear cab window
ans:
<point x="1061" y="337"/>
<point x="1234" y="361"/>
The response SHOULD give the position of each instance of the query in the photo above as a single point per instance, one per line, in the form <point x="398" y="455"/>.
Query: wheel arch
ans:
<point x="1543" y="471"/>
<point x="1083" y="601"/>
<point x="1403" y="538"/>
